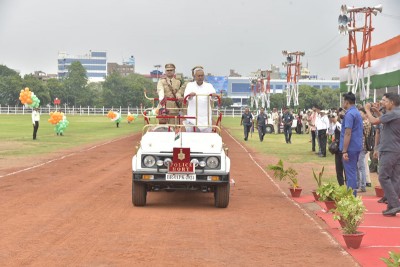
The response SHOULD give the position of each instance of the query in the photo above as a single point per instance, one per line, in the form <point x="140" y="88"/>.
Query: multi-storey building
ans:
<point x="95" y="64"/>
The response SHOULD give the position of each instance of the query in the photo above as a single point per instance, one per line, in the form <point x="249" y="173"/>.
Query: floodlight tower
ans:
<point x="253" y="95"/>
<point x="292" y="75"/>
<point x="359" y="62"/>
<point x="268" y="89"/>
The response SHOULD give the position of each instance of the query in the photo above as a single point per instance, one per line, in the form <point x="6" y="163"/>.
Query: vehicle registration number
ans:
<point x="180" y="177"/>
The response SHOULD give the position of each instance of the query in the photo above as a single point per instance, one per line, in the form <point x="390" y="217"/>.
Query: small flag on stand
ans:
<point x="177" y="133"/>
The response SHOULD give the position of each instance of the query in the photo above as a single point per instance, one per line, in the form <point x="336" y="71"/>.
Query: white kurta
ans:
<point x="204" y="117"/>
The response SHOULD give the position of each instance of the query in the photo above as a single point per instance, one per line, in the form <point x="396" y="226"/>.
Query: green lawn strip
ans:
<point x="16" y="133"/>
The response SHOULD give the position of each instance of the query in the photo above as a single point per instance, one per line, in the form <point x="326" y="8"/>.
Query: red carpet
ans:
<point x="382" y="234"/>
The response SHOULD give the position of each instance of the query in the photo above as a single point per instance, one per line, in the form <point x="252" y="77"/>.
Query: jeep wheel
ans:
<point x="269" y="129"/>
<point x="139" y="194"/>
<point x="221" y="195"/>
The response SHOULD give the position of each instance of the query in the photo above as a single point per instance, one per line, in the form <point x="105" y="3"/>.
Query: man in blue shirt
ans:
<point x="351" y="137"/>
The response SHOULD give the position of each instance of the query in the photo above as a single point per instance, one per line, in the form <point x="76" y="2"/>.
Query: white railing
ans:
<point x="100" y="111"/>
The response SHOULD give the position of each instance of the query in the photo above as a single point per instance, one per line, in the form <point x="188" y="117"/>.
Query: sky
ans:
<point x="244" y="35"/>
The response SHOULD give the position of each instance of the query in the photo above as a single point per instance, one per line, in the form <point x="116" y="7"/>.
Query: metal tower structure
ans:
<point x="293" y="67"/>
<point x="359" y="62"/>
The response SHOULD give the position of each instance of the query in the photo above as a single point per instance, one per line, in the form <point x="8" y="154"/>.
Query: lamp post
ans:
<point x="358" y="63"/>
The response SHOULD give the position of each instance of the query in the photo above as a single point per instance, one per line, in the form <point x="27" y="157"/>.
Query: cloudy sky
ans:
<point x="244" y="35"/>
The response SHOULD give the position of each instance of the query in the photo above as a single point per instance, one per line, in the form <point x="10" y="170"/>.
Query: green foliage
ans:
<point x="125" y="91"/>
<point x="327" y="191"/>
<point x="350" y="210"/>
<point x="75" y="84"/>
<point x="281" y="174"/>
<point x="10" y="87"/>
<point x="393" y="260"/>
<point x="38" y="87"/>
<point x="318" y="178"/>
<point x="5" y="71"/>
<point x="226" y="102"/>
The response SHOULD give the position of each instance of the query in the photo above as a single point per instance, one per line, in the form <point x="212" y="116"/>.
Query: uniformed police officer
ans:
<point x="169" y="87"/>
<point x="262" y="124"/>
<point x="247" y="122"/>
<point x="287" y="119"/>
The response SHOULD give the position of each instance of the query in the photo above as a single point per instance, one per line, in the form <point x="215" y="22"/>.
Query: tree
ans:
<point x="226" y="102"/>
<point x="75" y="84"/>
<point x="94" y="94"/>
<point x="10" y="86"/>
<point x="38" y="87"/>
<point x="125" y="91"/>
<point x="56" y="90"/>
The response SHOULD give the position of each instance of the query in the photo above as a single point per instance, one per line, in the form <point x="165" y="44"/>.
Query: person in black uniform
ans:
<point x="335" y="127"/>
<point x="261" y="124"/>
<point x="287" y="120"/>
<point x="247" y="122"/>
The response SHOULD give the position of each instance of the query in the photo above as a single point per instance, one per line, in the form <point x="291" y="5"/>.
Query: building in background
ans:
<point x="41" y="75"/>
<point x="127" y="67"/>
<point x="95" y="64"/>
<point x="239" y="88"/>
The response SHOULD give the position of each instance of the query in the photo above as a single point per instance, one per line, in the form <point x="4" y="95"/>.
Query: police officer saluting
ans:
<point x="169" y="87"/>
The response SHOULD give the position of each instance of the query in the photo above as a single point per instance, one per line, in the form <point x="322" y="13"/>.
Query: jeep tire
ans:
<point x="139" y="194"/>
<point x="221" y="195"/>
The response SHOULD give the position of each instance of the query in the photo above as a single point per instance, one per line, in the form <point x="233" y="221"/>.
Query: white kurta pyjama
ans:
<point x="204" y="117"/>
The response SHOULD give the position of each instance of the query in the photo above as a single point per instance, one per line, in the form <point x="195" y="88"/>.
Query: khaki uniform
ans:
<point x="170" y="88"/>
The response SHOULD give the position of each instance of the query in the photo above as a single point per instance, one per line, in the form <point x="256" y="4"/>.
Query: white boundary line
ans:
<point x="62" y="157"/>
<point x="380" y="227"/>
<point x="328" y="235"/>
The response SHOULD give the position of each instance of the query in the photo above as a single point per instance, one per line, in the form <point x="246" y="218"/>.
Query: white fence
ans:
<point x="98" y="111"/>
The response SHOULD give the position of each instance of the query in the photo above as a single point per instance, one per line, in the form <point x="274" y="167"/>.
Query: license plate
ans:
<point x="180" y="177"/>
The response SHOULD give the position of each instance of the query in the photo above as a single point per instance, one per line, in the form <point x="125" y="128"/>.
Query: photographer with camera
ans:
<point x="389" y="147"/>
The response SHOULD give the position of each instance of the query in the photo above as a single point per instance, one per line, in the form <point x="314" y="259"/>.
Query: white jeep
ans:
<point x="171" y="159"/>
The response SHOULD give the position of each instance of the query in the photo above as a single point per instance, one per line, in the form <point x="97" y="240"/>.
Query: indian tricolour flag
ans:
<point x="177" y="133"/>
<point x="385" y="65"/>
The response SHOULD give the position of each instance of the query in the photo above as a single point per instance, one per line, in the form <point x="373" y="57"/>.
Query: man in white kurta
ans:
<point x="199" y="92"/>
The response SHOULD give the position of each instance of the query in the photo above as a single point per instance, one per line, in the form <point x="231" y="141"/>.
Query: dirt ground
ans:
<point x="77" y="211"/>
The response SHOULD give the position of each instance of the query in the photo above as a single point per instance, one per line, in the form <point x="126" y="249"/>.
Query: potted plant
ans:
<point x="289" y="174"/>
<point x="318" y="179"/>
<point x="350" y="210"/>
<point x="327" y="194"/>
<point x="393" y="260"/>
<point x="379" y="191"/>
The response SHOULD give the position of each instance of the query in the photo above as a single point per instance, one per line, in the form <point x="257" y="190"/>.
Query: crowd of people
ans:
<point x="355" y="134"/>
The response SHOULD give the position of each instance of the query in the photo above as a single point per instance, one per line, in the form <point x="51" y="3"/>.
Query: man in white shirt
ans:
<point x="199" y="104"/>
<point x="35" y="121"/>
<point x="275" y="120"/>
<point x="322" y="124"/>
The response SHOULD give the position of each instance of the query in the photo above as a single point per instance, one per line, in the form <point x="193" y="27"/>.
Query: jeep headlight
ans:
<point x="212" y="162"/>
<point x="149" y="161"/>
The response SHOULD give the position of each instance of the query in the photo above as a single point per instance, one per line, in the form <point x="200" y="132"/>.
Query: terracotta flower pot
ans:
<point x="353" y="240"/>
<point x="379" y="191"/>
<point x="295" y="191"/>
<point x="315" y="194"/>
<point x="330" y="205"/>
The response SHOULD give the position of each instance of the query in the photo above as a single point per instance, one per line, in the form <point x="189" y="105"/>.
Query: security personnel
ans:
<point x="169" y="87"/>
<point x="287" y="119"/>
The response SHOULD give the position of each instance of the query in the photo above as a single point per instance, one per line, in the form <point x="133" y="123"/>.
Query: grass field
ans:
<point x="16" y="139"/>
<point x="16" y="133"/>
<point x="274" y="144"/>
